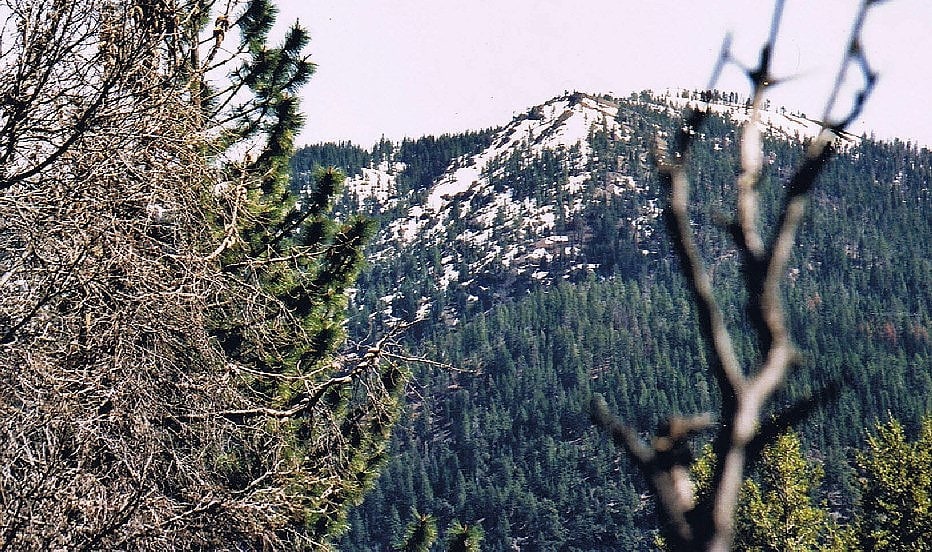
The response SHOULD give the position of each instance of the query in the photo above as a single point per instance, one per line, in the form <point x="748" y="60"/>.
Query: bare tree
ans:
<point x="127" y="191"/>
<point x="745" y="421"/>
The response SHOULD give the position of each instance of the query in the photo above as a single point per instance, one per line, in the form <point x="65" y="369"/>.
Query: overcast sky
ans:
<point x="414" y="67"/>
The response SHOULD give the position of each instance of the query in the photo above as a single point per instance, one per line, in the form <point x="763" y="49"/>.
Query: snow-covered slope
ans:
<point x="521" y="211"/>
<point x="776" y="121"/>
<point x="516" y="231"/>
<point x="375" y="184"/>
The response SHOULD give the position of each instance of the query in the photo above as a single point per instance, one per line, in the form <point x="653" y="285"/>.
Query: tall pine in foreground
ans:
<point x="335" y="417"/>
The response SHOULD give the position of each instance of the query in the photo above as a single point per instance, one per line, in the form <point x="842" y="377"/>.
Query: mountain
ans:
<point x="532" y="203"/>
<point x="536" y="256"/>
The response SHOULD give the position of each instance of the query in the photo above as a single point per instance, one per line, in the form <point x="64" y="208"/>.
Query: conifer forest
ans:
<point x="662" y="320"/>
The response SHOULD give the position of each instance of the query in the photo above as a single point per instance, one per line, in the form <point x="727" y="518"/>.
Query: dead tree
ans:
<point x="745" y="424"/>
<point x="124" y="424"/>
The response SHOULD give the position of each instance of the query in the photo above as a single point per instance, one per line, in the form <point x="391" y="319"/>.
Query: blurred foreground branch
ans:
<point x="743" y="427"/>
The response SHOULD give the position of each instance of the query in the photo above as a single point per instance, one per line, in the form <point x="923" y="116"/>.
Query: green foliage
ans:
<point x="777" y="511"/>
<point x="702" y="470"/>
<point x="420" y="533"/>
<point x="896" y="489"/>
<point x="427" y="158"/>
<point x="464" y="538"/>
<point x="525" y="174"/>
<point x="350" y="159"/>
<point x="301" y="260"/>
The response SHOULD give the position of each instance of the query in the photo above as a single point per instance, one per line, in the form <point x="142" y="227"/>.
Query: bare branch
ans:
<point x="745" y="393"/>
<point x="726" y="366"/>
<point x="120" y="404"/>
<point x="665" y="462"/>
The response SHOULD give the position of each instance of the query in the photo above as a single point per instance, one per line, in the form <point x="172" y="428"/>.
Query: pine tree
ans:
<point x="895" y="512"/>
<point x="302" y="261"/>
<point x="777" y="510"/>
<point x="464" y="538"/>
<point x="420" y="533"/>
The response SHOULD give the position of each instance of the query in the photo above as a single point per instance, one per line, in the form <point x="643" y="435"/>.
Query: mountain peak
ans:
<point x="552" y="195"/>
<point x="560" y="124"/>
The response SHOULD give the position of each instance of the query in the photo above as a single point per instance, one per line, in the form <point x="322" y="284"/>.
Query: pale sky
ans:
<point x="415" y="67"/>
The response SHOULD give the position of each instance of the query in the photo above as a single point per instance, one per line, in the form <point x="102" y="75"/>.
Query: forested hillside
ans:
<point x="597" y="304"/>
